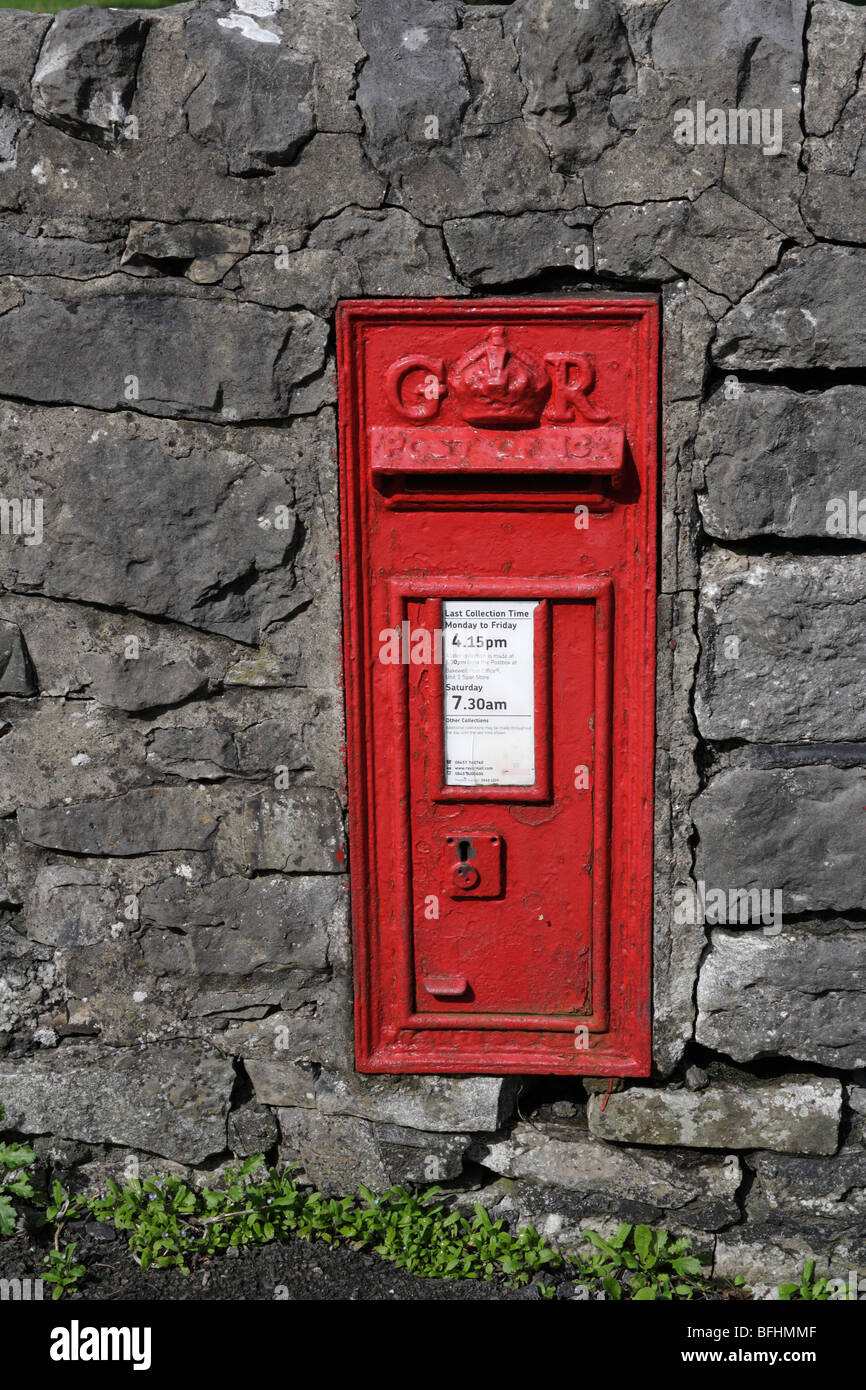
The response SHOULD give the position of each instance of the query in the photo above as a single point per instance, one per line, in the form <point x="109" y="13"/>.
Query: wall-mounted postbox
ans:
<point x="498" y="495"/>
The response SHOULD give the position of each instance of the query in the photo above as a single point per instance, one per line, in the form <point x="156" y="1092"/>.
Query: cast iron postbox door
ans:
<point x="498" y="514"/>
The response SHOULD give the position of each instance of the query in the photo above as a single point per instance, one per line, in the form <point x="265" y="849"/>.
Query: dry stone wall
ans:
<point x="185" y="195"/>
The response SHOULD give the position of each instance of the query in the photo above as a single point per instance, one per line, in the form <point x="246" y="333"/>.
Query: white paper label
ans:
<point x="489" y="681"/>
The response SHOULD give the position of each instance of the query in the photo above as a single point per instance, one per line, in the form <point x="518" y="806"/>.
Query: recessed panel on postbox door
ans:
<point x="498" y="474"/>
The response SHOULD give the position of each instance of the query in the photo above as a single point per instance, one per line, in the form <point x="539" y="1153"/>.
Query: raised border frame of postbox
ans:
<point x="598" y="592"/>
<point x="379" y="1045"/>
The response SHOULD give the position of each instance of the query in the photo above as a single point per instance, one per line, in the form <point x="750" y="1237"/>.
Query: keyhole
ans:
<point x="465" y="851"/>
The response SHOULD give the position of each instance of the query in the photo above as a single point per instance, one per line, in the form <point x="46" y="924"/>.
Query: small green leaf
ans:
<point x="643" y="1239"/>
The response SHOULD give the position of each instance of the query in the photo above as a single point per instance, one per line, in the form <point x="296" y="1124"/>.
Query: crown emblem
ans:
<point x="494" y="384"/>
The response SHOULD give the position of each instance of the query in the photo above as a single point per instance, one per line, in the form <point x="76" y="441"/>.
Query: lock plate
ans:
<point x="472" y="864"/>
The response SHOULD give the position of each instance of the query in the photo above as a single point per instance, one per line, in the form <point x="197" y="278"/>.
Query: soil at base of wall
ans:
<point x="294" y="1270"/>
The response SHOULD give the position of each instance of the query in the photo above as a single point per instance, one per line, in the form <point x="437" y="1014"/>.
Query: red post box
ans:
<point x="498" y="516"/>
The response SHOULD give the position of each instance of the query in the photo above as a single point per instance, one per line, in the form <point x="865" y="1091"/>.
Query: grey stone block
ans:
<point x="766" y="1255"/>
<point x="719" y="243"/>
<point x="789" y="1114"/>
<point x="433" y="126"/>
<point x="493" y="250"/>
<point x="782" y="648"/>
<point x="210" y="248"/>
<point x="314" y="279"/>
<point x="340" y="1152"/>
<point x="835" y="44"/>
<point x="416" y="1156"/>
<point x="337" y="1153"/>
<point x="23" y="36"/>
<point x="800" y="994"/>
<point x="55" y="751"/>
<point x="197" y="552"/>
<point x="72" y="905"/>
<point x="155" y="349"/>
<point x="797" y="830"/>
<point x="561" y="1156"/>
<point x="17" y="676"/>
<point x="41" y="255"/>
<point x="412" y="72"/>
<point x="688" y="325"/>
<point x="143" y="683"/>
<point x="199" y="755"/>
<point x="299" y="830"/>
<point x="437" y="1103"/>
<point x="389" y="251"/>
<point x="631" y="241"/>
<point x="745" y="55"/>
<point x="251" y="1129"/>
<point x="237" y="926"/>
<point x="834" y="110"/>
<point x="573" y="63"/>
<point x="85" y="77"/>
<point x="808" y="313"/>
<point x="168" y="1099"/>
<point x="254" y="101"/>
<point x="774" y="460"/>
<point x="817" y="1189"/>
<point x="139" y="822"/>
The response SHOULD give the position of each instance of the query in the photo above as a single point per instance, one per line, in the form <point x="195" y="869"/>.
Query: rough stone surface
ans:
<point x="237" y="926"/>
<point x="807" y="314"/>
<point x="794" y="830"/>
<point x="197" y="552"/>
<point x="142" y="683"/>
<point x="416" y="1156"/>
<point x="336" y="1152"/>
<point x="22" y="255"/>
<point x="85" y="77"/>
<point x="822" y="1189"/>
<point x="252" y="104"/>
<point x="782" y="649"/>
<point x="209" y="248"/>
<point x="494" y="250"/>
<point x="252" y="1129"/>
<point x="309" y="278"/>
<point x="769" y="1255"/>
<point x="388" y="250"/>
<point x="791" y="1114"/>
<point x="300" y="830"/>
<point x="799" y="994"/>
<point x="719" y="243"/>
<point x="436" y="1103"/>
<point x="574" y="63"/>
<point x="197" y="755"/>
<point x="23" y="36"/>
<point x="17" y="676"/>
<point x="412" y="71"/>
<point x="158" y="351"/>
<point x="777" y="462"/>
<point x="168" y="1100"/>
<point x="566" y="1158"/>
<point x="833" y="112"/>
<point x="139" y="822"/>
